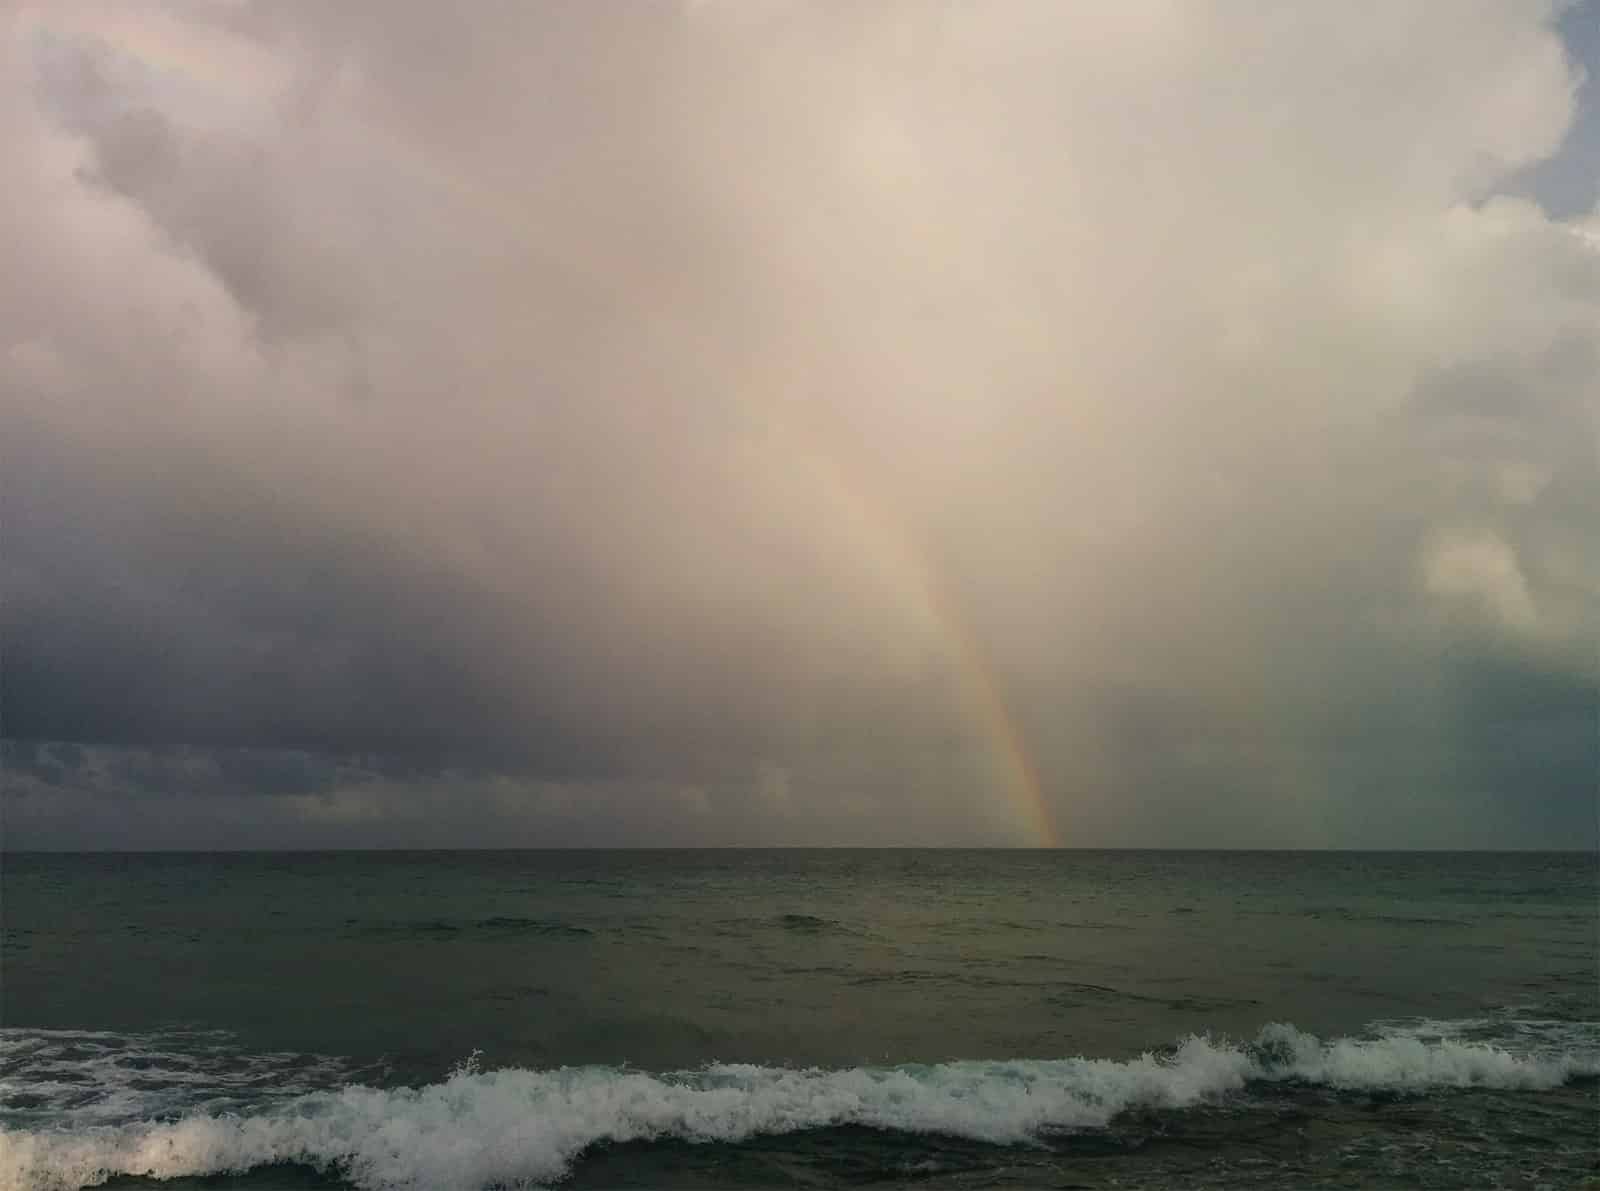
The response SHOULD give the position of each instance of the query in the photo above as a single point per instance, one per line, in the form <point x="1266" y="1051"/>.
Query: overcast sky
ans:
<point x="753" y="421"/>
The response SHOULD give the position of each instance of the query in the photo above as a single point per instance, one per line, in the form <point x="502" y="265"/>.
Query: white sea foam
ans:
<point x="478" y="1129"/>
<point x="86" y="1077"/>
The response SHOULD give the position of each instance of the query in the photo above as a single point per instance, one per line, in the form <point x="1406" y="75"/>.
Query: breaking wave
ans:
<point x="479" y="1128"/>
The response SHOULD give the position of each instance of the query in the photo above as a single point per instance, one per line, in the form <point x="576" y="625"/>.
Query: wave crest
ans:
<point x="477" y="1128"/>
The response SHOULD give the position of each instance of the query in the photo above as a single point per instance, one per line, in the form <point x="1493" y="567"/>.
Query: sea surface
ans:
<point x="932" y="1019"/>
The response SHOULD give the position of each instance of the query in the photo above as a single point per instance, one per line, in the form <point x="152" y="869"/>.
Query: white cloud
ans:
<point x="1478" y="566"/>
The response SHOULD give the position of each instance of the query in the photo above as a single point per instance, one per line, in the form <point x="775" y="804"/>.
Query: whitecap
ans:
<point x="478" y="1128"/>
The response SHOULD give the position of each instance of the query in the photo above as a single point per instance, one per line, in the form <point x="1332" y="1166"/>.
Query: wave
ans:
<point x="806" y="923"/>
<point x="1344" y="914"/>
<point x="489" y="1128"/>
<point x="441" y="929"/>
<point x="93" y="1077"/>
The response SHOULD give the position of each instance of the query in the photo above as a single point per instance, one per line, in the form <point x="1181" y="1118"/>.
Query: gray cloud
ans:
<point x="559" y="423"/>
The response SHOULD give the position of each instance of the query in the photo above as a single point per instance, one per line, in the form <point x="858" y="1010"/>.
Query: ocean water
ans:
<point x="937" y="1019"/>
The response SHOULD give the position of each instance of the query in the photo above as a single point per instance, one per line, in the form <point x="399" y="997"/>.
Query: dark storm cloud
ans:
<point x="565" y="423"/>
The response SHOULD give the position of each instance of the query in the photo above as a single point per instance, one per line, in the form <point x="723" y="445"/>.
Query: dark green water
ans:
<point x="808" y="1018"/>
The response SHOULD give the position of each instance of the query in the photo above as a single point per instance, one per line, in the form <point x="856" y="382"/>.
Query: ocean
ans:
<point x="820" y="1019"/>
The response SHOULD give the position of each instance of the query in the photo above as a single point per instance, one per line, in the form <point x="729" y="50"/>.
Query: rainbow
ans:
<point x="924" y="594"/>
<point x="203" y="59"/>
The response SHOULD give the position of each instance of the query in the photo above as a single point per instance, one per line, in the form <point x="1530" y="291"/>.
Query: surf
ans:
<point x="482" y="1128"/>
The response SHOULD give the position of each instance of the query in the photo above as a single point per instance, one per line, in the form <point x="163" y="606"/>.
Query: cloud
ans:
<point x="644" y="399"/>
<point x="1482" y="567"/>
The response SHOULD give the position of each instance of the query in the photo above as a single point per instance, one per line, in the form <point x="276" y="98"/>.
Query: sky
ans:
<point x="754" y="422"/>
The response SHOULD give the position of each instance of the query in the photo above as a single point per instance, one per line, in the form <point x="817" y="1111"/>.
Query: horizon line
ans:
<point x="1039" y="848"/>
